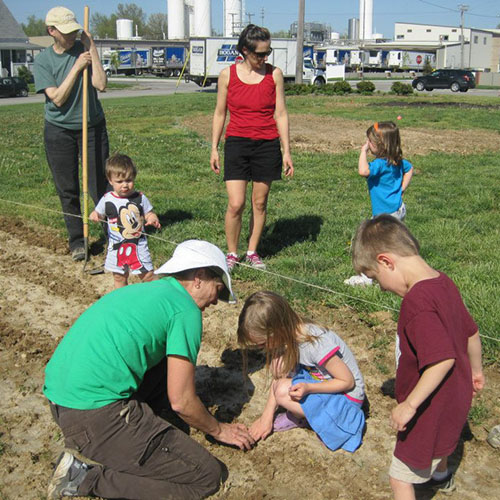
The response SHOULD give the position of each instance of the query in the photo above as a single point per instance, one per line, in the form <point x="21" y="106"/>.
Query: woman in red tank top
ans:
<point x="253" y="92"/>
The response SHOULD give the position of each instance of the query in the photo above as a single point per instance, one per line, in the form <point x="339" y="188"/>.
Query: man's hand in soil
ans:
<point x="235" y="434"/>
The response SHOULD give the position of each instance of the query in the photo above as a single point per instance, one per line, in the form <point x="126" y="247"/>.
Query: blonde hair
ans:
<point x="119" y="165"/>
<point x="383" y="233"/>
<point x="386" y="139"/>
<point x="268" y="320"/>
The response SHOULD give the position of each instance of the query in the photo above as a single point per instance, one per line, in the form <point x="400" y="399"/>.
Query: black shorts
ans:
<point x="252" y="160"/>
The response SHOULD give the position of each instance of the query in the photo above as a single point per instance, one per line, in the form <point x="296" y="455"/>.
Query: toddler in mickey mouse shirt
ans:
<point x="127" y="212"/>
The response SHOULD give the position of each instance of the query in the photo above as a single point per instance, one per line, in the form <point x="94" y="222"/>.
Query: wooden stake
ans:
<point x="85" y="181"/>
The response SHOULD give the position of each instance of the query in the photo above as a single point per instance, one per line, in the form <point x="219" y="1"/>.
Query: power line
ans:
<point x="438" y="6"/>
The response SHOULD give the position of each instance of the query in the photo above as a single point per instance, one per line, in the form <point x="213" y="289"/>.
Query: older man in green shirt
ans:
<point x="104" y="376"/>
<point x="58" y="74"/>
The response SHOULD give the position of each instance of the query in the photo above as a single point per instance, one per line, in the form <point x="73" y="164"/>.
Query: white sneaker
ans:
<point x="359" y="280"/>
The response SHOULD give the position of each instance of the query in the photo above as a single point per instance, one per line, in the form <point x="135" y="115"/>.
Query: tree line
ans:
<point x="152" y="27"/>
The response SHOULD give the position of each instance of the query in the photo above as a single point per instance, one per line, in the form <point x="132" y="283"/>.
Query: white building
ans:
<point x="477" y="53"/>
<point x="414" y="32"/>
<point x="481" y="48"/>
<point x="495" y="50"/>
<point x="15" y="47"/>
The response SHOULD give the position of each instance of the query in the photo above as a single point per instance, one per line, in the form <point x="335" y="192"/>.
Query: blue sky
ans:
<point x="279" y="14"/>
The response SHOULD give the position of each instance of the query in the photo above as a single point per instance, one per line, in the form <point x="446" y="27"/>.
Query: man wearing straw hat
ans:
<point x="108" y="376"/>
<point x="58" y="73"/>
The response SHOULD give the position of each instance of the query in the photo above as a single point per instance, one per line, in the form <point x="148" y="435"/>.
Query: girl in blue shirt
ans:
<point x="388" y="176"/>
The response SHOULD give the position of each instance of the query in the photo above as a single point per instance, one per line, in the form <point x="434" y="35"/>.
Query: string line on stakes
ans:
<point x="271" y="273"/>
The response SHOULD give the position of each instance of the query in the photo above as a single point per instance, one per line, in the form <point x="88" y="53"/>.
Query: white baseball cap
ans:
<point x="62" y="19"/>
<point x="195" y="254"/>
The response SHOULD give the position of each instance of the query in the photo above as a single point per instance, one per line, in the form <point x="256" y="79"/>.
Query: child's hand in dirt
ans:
<point x="261" y="428"/>
<point x="95" y="217"/>
<point x="401" y="415"/>
<point x="298" y="391"/>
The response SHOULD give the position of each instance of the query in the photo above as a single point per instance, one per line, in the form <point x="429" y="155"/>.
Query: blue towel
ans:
<point x="338" y="421"/>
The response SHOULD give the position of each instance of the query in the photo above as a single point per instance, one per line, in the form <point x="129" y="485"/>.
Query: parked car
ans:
<point x="13" y="86"/>
<point x="454" y="79"/>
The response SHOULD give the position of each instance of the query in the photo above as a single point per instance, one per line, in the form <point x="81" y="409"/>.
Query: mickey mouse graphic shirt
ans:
<point x="128" y="246"/>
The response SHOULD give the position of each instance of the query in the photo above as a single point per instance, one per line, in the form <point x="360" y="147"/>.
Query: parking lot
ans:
<point x="164" y="86"/>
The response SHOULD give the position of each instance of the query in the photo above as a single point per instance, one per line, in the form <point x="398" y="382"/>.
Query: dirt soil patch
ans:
<point x="43" y="291"/>
<point x="338" y="135"/>
<point x="437" y="105"/>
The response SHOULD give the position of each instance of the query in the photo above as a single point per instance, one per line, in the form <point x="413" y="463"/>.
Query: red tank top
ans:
<point x="251" y="107"/>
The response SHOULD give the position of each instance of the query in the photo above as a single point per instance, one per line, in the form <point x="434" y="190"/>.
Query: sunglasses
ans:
<point x="267" y="53"/>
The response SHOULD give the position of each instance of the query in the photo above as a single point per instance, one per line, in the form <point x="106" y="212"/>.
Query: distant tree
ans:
<point x="281" y="34"/>
<point x="24" y="73"/>
<point x="406" y="61"/>
<point x="156" y="27"/>
<point x="427" y="69"/>
<point x="115" y="61"/>
<point x="103" y="26"/>
<point x="34" y="27"/>
<point x="134" y="12"/>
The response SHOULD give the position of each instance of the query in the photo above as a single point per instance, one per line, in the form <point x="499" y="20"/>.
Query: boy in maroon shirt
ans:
<point x="438" y="355"/>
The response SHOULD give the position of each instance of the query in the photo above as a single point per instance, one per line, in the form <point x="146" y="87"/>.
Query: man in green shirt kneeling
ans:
<point x="111" y="368"/>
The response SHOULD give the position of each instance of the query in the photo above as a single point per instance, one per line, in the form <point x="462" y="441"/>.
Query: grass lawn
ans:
<point x="452" y="201"/>
<point x="110" y="85"/>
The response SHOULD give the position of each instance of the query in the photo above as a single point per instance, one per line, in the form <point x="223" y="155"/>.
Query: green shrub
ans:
<point x="325" y="89"/>
<point x="401" y="88"/>
<point x="365" y="87"/>
<point x="24" y="73"/>
<point x="342" y="87"/>
<point x="298" y="89"/>
<point x="337" y="88"/>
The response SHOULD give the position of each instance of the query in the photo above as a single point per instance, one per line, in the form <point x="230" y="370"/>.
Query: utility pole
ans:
<point x="300" y="42"/>
<point x="232" y="14"/>
<point x="262" y="17"/>
<point x="463" y="8"/>
<point x="250" y="17"/>
<point x="363" y="34"/>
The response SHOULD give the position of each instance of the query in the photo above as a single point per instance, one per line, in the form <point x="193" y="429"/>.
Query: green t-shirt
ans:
<point x="50" y="71"/>
<point x="105" y="354"/>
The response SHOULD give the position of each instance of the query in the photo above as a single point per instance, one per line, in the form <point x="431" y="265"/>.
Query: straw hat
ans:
<point x="195" y="254"/>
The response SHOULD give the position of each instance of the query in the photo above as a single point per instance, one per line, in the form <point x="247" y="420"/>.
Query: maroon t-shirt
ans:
<point x="433" y="325"/>
<point x="251" y="107"/>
